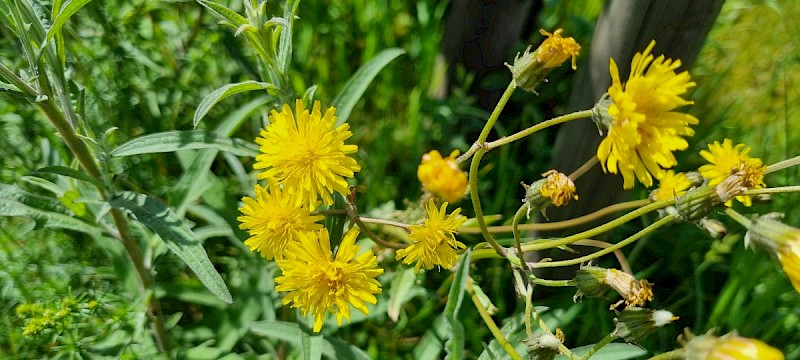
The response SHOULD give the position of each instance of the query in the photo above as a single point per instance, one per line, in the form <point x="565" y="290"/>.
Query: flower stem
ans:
<point x="384" y="222"/>
<point x="584" y="168"/>
<point x="498" y="335"/>
<point x="783" y="164"/>
<point x="475" y="165"/>
<point x="741" y="219"/>
<point x="524" y="209"/>
<point x="775" y="190"/>
<point x="562" y="224"/>
<point x="603" y="342"/>
<point x="652" y="227"/>
<point x="542" y="125"/>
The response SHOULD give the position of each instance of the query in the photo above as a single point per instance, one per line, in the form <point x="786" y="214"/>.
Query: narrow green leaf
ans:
<point x="14" y="193"/>
<point x="431" y="345"/>
<point x="224" y="13"/>
<point x="455" y="343"/>
<point x="47" y="219"/>
<point x="178" y="237"/>
<point x="69" y="8"/>
<point x="170" y="141"/>
<point x="357" y="84"/>
<point x="335" y="223"/>
<point x="8" y="87"/>
<point x="312" y="346"/>
<point x="186" y="189"/>
<point x="285" y="41"/>
<point x="231" y="89"/>
<point x="69" y="172"/>
<point x="613" y="351"/>
<point x="332" y="348"/>
<point x="402" y="283"/>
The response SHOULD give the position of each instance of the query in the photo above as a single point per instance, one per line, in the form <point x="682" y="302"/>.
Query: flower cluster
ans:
<point x="305" y="160"/>
<point x="643" y="129"/>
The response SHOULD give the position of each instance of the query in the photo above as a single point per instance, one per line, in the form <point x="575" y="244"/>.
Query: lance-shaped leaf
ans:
<point x="231" y="89"/>
<point x="227" y="15"/>
<point x="178" y="237"/>
<point x="70" y="172"/>
<point x="292" y="333"/>
<point x="170" y="141"/>
<point x="69" y="8"/>
<point x="357" y="84"/>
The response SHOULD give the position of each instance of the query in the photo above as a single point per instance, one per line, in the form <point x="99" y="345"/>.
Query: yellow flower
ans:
<point x="732" y="170"/>
<point x="732" y="347"/>
<point x="442" y="177"/>
<point x="273" y="219"/>
<point x="318" y="283"/>
<point x="306" y="153"/>
<point x="558" y="188"/>
<point x="532" y="67"/>
<point x="434" y="242"/>
<point x="644" y="130"/>
<point x="670" y="186"/>
<point x="781" y="240"/>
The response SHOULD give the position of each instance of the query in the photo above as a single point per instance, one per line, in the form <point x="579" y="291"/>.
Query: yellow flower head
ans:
<point x="733" y="170"/>
<point x="306" y="153"/>
<point x="781" y="240"/>
<point x="670" y="186"/>
<point x="558" y="188"/>
<point x="555" y="50"/>
<point x="434" y="242"/>
<point x="319" y="283"/>
<point x="644" y="130"/>
<point x="273" y="219"/>
<point x="442" y="177"/>
<point x="732" y="347"/>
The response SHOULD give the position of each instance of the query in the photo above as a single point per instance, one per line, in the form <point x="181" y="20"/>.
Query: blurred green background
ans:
<point x="143" y="66"/>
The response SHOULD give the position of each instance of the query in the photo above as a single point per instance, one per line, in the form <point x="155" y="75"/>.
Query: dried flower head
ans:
<point x="558" y="187"/>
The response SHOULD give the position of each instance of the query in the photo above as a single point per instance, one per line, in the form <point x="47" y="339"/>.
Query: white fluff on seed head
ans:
<point x="662" y="317"/>
<point x="549" y="341"/>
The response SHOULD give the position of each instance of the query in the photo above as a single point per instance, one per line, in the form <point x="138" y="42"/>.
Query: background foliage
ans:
<point x="143" y="66"/>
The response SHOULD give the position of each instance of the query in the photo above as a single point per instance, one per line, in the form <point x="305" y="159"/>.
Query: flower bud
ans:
<point x="697" y="203"/>
<point x="532" y="67"/>
<point x="634" y="324"/>
<point x="442" y="177"/>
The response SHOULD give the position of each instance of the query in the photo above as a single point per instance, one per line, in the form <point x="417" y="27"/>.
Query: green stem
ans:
<point x="498" y="335"/>
<point x="652" y="227"/>
<point x="542" y="125"/>
<point x="475" y="165"/>
<point x="774" y="190"/>
<point x="551" y="283"/>
<point x="524" y="209"/>
<point x="741" y="219"/>
<point x="783" y="164"/>
<point x="85" y="158"/>
<point x="541" y="245"/>
<point x="12" y="78"/>
<point x="603" y="342"/>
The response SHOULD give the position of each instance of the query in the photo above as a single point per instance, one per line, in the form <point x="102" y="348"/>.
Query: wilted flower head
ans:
<point x="319" y="283"/>
<point x="559" y="188"/>
<point x="594" y="281"/>
<point x="644" y="130"/>
<point x="305" y="152"/>
<point x="732" y="170"/>
<point x="532" y="67"/>
<point x="434" y="242"/>
<point x="442" y="177"/>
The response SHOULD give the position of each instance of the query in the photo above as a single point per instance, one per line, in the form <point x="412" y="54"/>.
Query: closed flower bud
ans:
<point x="442" y="177"/>
<point x="697" y="203"/>
<point x="634" y="324"/>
